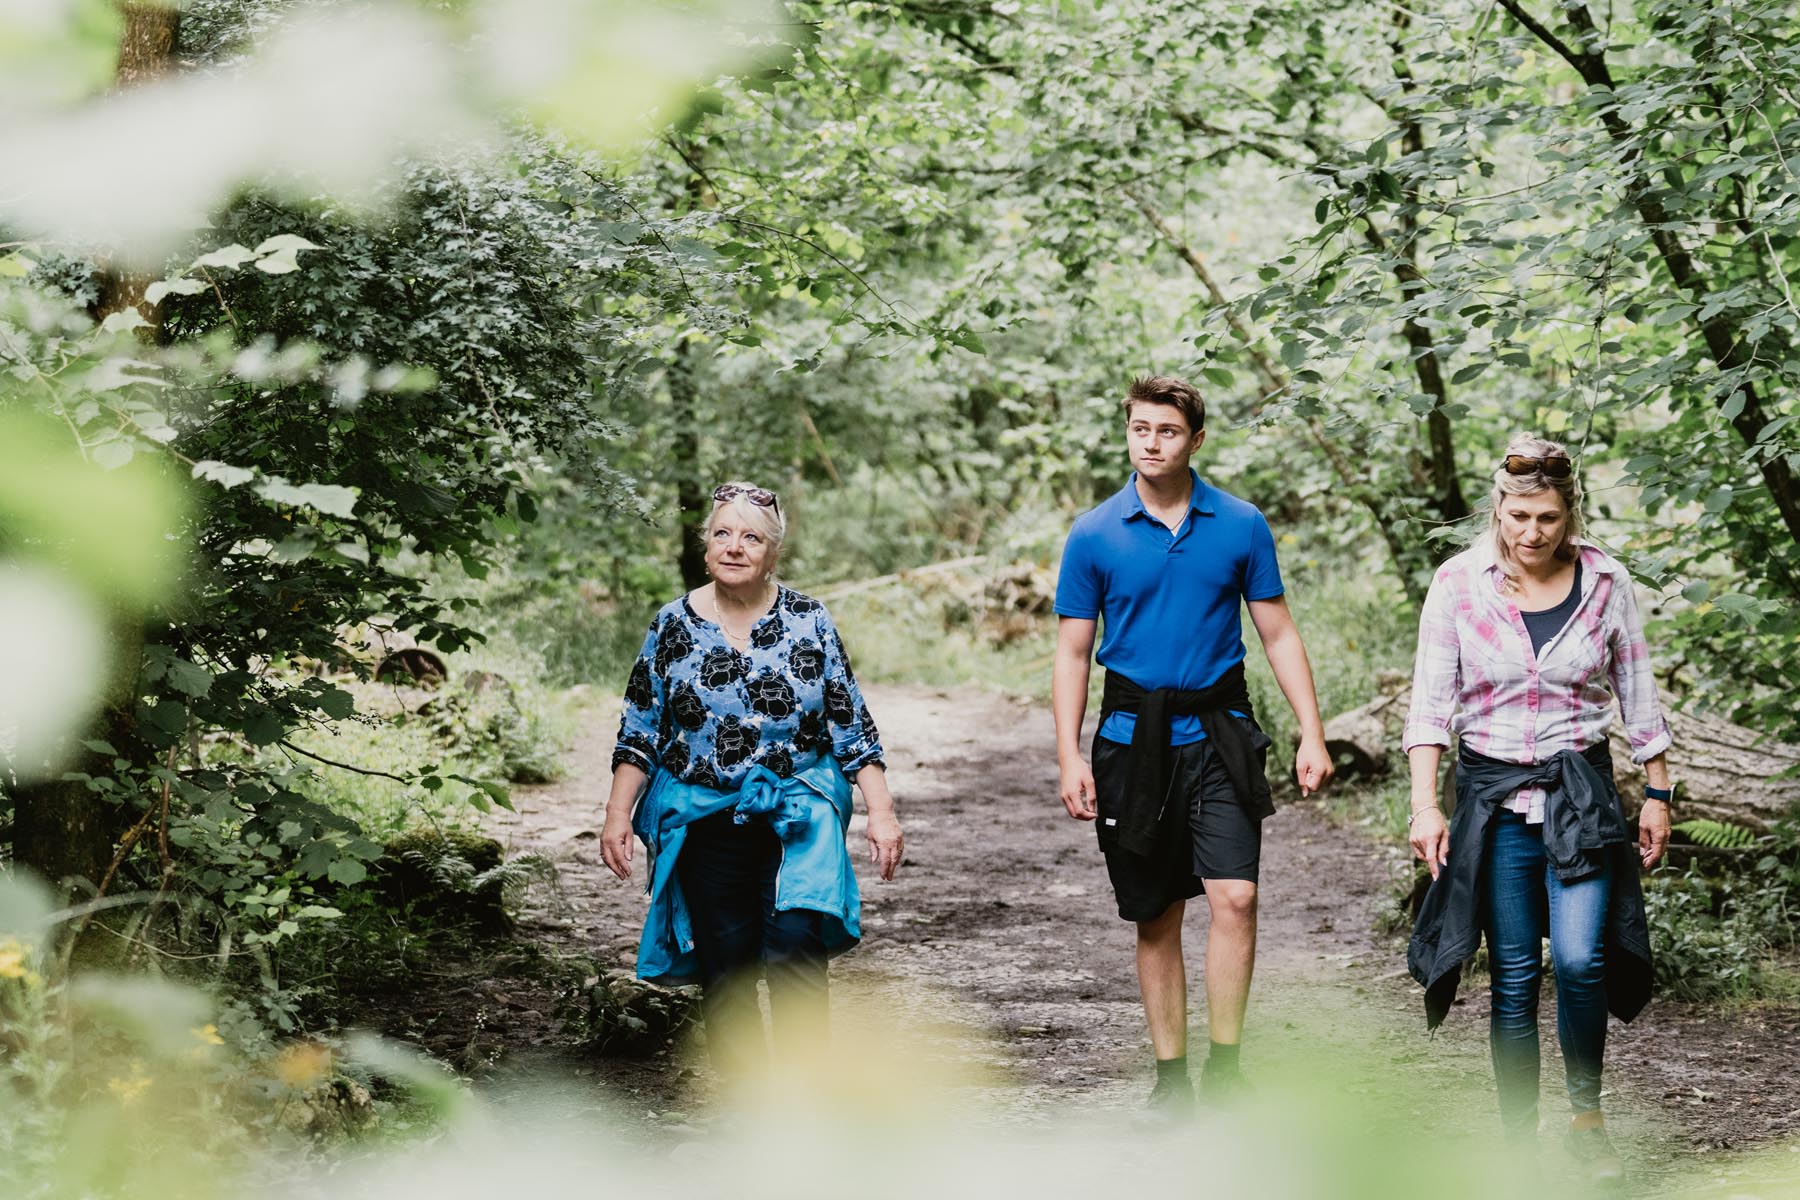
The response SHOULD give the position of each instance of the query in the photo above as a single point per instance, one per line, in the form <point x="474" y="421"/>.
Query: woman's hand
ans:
<point x="617" y="842"/>
<point x="1653" y="832"/>
<point x="1430" y="837"/>
<point x="886" y="845"/>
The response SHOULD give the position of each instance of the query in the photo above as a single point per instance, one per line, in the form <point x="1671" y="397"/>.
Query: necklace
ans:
<point x="719" y="618"/>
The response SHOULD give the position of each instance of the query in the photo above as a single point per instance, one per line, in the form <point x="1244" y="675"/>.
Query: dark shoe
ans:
<point x="1223" y="1089"/>
<point x="1170" y="1100"/>
<point x="1593" y="1150"/>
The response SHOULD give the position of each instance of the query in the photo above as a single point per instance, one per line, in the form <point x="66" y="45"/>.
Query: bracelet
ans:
<point x="1664" y="794"/>
<point x="1419" y="813"/>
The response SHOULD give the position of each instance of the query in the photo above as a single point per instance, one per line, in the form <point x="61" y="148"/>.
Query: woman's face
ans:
<point x="1533" y="526"/>
<point x="737" y="552"/>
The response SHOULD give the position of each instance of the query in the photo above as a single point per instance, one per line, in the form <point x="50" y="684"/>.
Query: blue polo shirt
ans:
<point x="1168" y="601"/>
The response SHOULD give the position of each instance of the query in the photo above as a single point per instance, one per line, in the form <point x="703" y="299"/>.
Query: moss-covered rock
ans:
<point x="628" y="1016"/>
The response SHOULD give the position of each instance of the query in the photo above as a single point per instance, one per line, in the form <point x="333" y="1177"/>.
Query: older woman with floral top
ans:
<point x="743" y="718"/>
<point x="1526" y="641"/>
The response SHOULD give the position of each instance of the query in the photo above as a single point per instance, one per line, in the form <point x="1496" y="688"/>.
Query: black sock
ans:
<point x="1222" y="1057"/>
<point x="1171" y="1069"/>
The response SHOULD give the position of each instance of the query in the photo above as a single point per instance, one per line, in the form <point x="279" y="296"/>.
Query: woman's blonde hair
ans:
<point x="1531" y="484"/>
<point x="766" y="519"/>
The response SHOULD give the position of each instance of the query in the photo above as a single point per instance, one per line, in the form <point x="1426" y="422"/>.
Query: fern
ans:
<point x="1717" y="835"/>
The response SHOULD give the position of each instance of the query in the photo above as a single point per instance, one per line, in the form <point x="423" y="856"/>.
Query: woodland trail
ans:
<point x="1000" y="939"/>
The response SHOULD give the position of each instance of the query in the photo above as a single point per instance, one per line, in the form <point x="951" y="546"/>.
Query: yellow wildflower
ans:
<point x="207" y="1034"/>
<point x="12" y="961"/>
<point x="303" y="1064"/>
<point x="130" y="1088"/>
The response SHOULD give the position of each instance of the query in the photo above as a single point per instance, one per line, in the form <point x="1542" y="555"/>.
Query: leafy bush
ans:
<point x="1715" y="936"/>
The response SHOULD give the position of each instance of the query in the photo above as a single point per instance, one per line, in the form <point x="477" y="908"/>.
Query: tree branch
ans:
<point x="343" y="766"/>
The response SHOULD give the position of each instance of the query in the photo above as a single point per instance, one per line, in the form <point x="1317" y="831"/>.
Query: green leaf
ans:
<point x="100" y="747"/>
<point x="123" y="320"/>
<point x="1719" y="501"/>
<point x="264" y="728"/>
<point x="1472" y="371"/>
<point x="230" y="257"/>
<point x="285" y="243"/>
<point x="15" y="266"/>
<point x="965" y="337"/>
<point x="188" y="678"/>
<point x="223" y="474"/>
<point x="326" y="498"/>
<point x="346" y="871"/>
<point x="114" y="454"/>
<point x="173" y="287"/>
<point x="335" y="702"/>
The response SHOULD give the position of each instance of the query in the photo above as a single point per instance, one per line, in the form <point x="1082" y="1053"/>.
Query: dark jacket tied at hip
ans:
<point x="1583" y="828"/>
<point x="1239" y="745"/>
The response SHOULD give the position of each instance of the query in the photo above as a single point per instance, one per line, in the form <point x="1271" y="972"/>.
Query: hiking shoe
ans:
<point x="1170" y="1100"/>
<point x="1593" y="1150"/>
<point x="1223" y="1089"/>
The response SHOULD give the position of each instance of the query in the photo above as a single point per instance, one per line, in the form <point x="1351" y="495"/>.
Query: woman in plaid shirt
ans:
<point x="1527" y="639"/>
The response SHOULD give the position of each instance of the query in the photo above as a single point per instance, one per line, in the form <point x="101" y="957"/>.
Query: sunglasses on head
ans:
<point x="1555" y="466"/>
<point x="761" y="497"/>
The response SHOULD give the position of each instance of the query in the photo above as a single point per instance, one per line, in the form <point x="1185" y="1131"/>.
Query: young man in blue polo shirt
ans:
<point x="1177" y="787"/>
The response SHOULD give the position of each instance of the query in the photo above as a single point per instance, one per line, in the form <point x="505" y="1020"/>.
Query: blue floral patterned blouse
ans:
<point x="706" y="712"/>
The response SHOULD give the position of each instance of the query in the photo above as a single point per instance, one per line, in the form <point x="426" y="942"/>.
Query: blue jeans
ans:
<point x="1522" y="901"/>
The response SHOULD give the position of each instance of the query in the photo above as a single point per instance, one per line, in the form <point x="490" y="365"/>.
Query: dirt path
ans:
<point x="1000" y="934"/>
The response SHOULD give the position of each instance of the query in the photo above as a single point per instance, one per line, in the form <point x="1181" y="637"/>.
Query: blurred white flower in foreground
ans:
<point x="330" y="102"/>
<point x="52" y="664"/>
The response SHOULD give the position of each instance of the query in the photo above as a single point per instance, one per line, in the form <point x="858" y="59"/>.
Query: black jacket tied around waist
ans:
<point x="1239" y="744"/>
<point x="1583" y="830"/>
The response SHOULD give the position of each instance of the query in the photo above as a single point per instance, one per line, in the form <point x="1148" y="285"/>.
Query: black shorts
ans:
<point x="1206" y="833"/>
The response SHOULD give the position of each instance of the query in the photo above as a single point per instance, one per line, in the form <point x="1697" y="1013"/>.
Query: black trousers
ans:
<point x="728" y="873"/>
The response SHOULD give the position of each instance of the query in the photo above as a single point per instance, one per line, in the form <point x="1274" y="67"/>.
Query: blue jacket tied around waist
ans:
<point x="809" y="812"/>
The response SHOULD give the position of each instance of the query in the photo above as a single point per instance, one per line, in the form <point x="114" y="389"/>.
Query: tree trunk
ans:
<point x="61" y="830"/>
<point x="690" y="491"/>
<point x="146" y="53"/>
<point x="1440" y="444"/>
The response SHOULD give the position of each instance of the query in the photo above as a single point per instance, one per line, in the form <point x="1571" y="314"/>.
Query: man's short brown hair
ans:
<point x="1166" y="389"/>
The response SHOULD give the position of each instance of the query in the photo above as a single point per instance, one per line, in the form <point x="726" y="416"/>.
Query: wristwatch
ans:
<point x="1664" y="794"/>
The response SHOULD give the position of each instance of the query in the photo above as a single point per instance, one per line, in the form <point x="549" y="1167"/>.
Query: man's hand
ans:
<point x="1653" y="832"/>
<point x="1313" y="766"/>
<point x="1078" y="789"/>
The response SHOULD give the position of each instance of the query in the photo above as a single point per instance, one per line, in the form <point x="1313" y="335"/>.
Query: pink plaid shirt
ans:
<point x="1476" y="672"/>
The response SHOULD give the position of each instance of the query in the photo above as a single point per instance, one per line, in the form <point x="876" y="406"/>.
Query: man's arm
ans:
<point x="1287" y="658"/>
<point x="1068" y="703"/>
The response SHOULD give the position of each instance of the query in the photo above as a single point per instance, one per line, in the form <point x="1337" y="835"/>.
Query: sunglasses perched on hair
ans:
<point x="1555" y="466"/>
<point x="761" y="497"/>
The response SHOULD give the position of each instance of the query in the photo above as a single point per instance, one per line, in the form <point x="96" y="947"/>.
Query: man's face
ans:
<point x="1160" y="441"/>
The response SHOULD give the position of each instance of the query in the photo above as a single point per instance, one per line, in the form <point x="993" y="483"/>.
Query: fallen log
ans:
<point x="1722" y="771"/>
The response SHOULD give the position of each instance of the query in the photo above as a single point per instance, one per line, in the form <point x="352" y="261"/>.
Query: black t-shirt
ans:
<point x="1547" y="623"/>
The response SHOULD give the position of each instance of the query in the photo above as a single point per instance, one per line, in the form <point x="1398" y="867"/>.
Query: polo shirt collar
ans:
<point x="1200" y="502"/>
